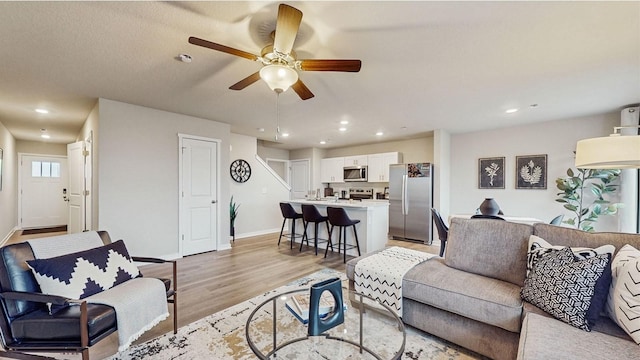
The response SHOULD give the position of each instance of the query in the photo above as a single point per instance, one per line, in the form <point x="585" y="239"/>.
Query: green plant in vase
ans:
<point x="233" y="213"/>
<point x="577" y="187"/>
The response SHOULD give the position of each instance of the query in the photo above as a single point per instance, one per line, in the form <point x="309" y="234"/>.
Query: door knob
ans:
<point x="213" y="201"/>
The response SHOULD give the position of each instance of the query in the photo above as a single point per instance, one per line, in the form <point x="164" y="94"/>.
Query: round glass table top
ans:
<point x="368" y="332"/>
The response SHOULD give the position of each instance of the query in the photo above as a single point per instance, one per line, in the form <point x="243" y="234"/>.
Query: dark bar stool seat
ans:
<point x="310" y="214"/>
<point x="288" y="212"/>
<point x="338" y="217"/>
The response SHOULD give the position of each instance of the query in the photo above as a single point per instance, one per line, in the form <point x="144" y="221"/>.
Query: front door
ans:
<point x="43" y="182"/>
<point x="299" y="179"/>
<point x="199" y="196"/>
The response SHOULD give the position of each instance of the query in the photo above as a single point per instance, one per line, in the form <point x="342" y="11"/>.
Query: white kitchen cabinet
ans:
<point x="379" y="165"/>
<point x="359" y="160"/>
<point x="332" y="170"/>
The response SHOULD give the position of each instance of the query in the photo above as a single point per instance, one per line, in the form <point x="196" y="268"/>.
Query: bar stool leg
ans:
<point x="282" y="230"/>
<point x="355" y="233"/>
<point x="329" y="242"/>
<point x="329" y="232"/>
<point x="344" y="228"/>
<point x="315" y="239"/>
<point x="293" y="232"/>
<point x="304" y="235"/>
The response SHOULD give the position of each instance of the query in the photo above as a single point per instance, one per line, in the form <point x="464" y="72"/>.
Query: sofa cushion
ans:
<point x="624" y="296"/>
<point x="82" y="274"/>
<point x="477" y="297"/>
<point x="558" y="235"/>
<point x="564" y="287"/>
<point x="492" y="248"/>
<point x="545" y="338"/>
<point x="538" y="248"/>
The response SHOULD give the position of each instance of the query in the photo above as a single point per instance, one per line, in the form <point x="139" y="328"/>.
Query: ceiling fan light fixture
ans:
<point x="278" y="77"/>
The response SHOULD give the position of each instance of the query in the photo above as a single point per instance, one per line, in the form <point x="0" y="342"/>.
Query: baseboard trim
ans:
<point x="6" y="238"/>
<point x="257" y="233"/>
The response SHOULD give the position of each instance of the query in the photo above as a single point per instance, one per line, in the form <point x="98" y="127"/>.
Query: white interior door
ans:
<point x="43" y="180"/>
<point x="199" y="195"/>
<point x="76" y="194"/>
<point x="299" y="179"/>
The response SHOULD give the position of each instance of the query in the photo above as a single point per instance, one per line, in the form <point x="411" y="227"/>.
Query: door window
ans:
<point x="45" y="169"/>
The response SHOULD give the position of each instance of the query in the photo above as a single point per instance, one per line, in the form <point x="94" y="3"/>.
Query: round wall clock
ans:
<point x="240" y="170"/>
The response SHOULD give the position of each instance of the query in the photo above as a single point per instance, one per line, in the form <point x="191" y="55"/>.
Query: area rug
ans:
<point x="222" y="335"/>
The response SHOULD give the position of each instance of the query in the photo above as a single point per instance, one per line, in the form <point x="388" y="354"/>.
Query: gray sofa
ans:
<point x="472" y="296"/>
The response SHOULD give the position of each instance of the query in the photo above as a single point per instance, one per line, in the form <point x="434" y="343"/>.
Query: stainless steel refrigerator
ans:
<point x="410" y="201"/>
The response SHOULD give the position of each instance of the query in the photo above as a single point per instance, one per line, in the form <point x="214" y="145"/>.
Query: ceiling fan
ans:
<point x="280" y="70"/>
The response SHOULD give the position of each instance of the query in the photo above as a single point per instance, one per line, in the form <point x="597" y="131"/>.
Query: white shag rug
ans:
<point x="222" y="335"/>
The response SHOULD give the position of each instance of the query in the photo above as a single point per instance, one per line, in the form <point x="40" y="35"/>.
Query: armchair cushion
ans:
<point x="82" y="274"/>
<point x="64" y="325"/>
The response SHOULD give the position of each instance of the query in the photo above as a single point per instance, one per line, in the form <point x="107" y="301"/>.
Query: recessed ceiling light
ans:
<point x="285" y="134"/>
<point x="343" y="129"/>
<point x="260" y="129"/>
<point x="45" y="136"/>
<point x="185" y="58"/>
<point x="344" y="122"/>
<point x="511" y="111"/>
<point x="42" y="111"/>
<point x="322" y="142"/>
<point x="379" y="133"/>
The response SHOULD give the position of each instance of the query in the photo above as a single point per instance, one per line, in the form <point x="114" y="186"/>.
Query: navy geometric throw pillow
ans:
<point x="82" y="274"/>
<point x="564" y="287"/>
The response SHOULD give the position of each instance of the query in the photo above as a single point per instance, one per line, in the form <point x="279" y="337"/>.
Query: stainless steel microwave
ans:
<point x="355" y="173"/>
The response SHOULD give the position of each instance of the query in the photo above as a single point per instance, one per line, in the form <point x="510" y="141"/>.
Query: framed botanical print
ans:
<point x="491" y="173"/>
<point x="531" y="172"/>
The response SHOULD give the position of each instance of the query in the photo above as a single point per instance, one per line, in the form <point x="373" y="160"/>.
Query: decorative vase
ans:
<point x="318" y="324"/>
<point x="489" y="207"/>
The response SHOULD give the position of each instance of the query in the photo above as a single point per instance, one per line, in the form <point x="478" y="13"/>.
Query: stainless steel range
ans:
<point x="361" y="193"/>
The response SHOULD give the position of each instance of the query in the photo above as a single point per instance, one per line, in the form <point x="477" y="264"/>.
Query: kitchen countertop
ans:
<point x="342" y="203"/>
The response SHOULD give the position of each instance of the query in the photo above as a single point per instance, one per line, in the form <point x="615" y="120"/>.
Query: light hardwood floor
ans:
<point x="213" y="281"/>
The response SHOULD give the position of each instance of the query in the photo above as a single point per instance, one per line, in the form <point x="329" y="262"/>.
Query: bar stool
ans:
<point x="288" y="212"/>
<point x="311" y="214"/>
<point x="338" y="217"/>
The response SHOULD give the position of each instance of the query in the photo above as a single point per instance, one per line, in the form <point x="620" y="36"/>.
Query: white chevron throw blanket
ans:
<point x="380" y="276"/>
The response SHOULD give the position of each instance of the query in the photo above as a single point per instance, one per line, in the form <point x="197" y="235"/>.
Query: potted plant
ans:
<point x="233" y="213"/>
<point x="574" y="191"/>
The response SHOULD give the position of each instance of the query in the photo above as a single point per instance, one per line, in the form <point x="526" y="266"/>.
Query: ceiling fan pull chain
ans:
<point x="277" y="114"/>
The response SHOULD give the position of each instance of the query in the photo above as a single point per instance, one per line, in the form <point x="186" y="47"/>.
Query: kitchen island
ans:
<point x="372" y="229"/>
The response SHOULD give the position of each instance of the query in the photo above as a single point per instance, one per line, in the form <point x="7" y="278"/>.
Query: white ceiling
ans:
<point x="425" y="65"/>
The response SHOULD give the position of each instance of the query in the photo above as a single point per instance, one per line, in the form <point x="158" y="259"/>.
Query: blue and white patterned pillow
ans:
<point x="82" y="274"/>
<point x="564" y="287"/>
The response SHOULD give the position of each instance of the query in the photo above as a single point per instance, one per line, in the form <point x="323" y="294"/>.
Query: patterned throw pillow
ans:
<point x="564" y="287"/>
<point x="538" y="248"/>
<point x="84" y="273"/>
<point x="623" y="305"/>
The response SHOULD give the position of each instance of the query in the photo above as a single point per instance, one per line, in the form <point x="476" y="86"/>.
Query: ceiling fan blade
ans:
<point x="287" y="26"/>
<point x="229" y="50"/>
<point x="246" y="81"/>
<point x="302" y="90"/>
<point x="330" y="65"/>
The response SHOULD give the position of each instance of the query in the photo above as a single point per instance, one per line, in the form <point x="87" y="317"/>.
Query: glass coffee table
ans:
<point x="273" y="332"/>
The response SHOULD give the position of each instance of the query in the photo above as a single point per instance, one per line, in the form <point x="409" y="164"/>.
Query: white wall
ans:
<point x="9" y="192"/>
<point x="138" y="175"/>
<point x="41" y="147"/>
<point x="90" y="130"/>
<point x="259" y="196"/>
<point x="557" y="139"/>
<point x="413" y="150"/>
